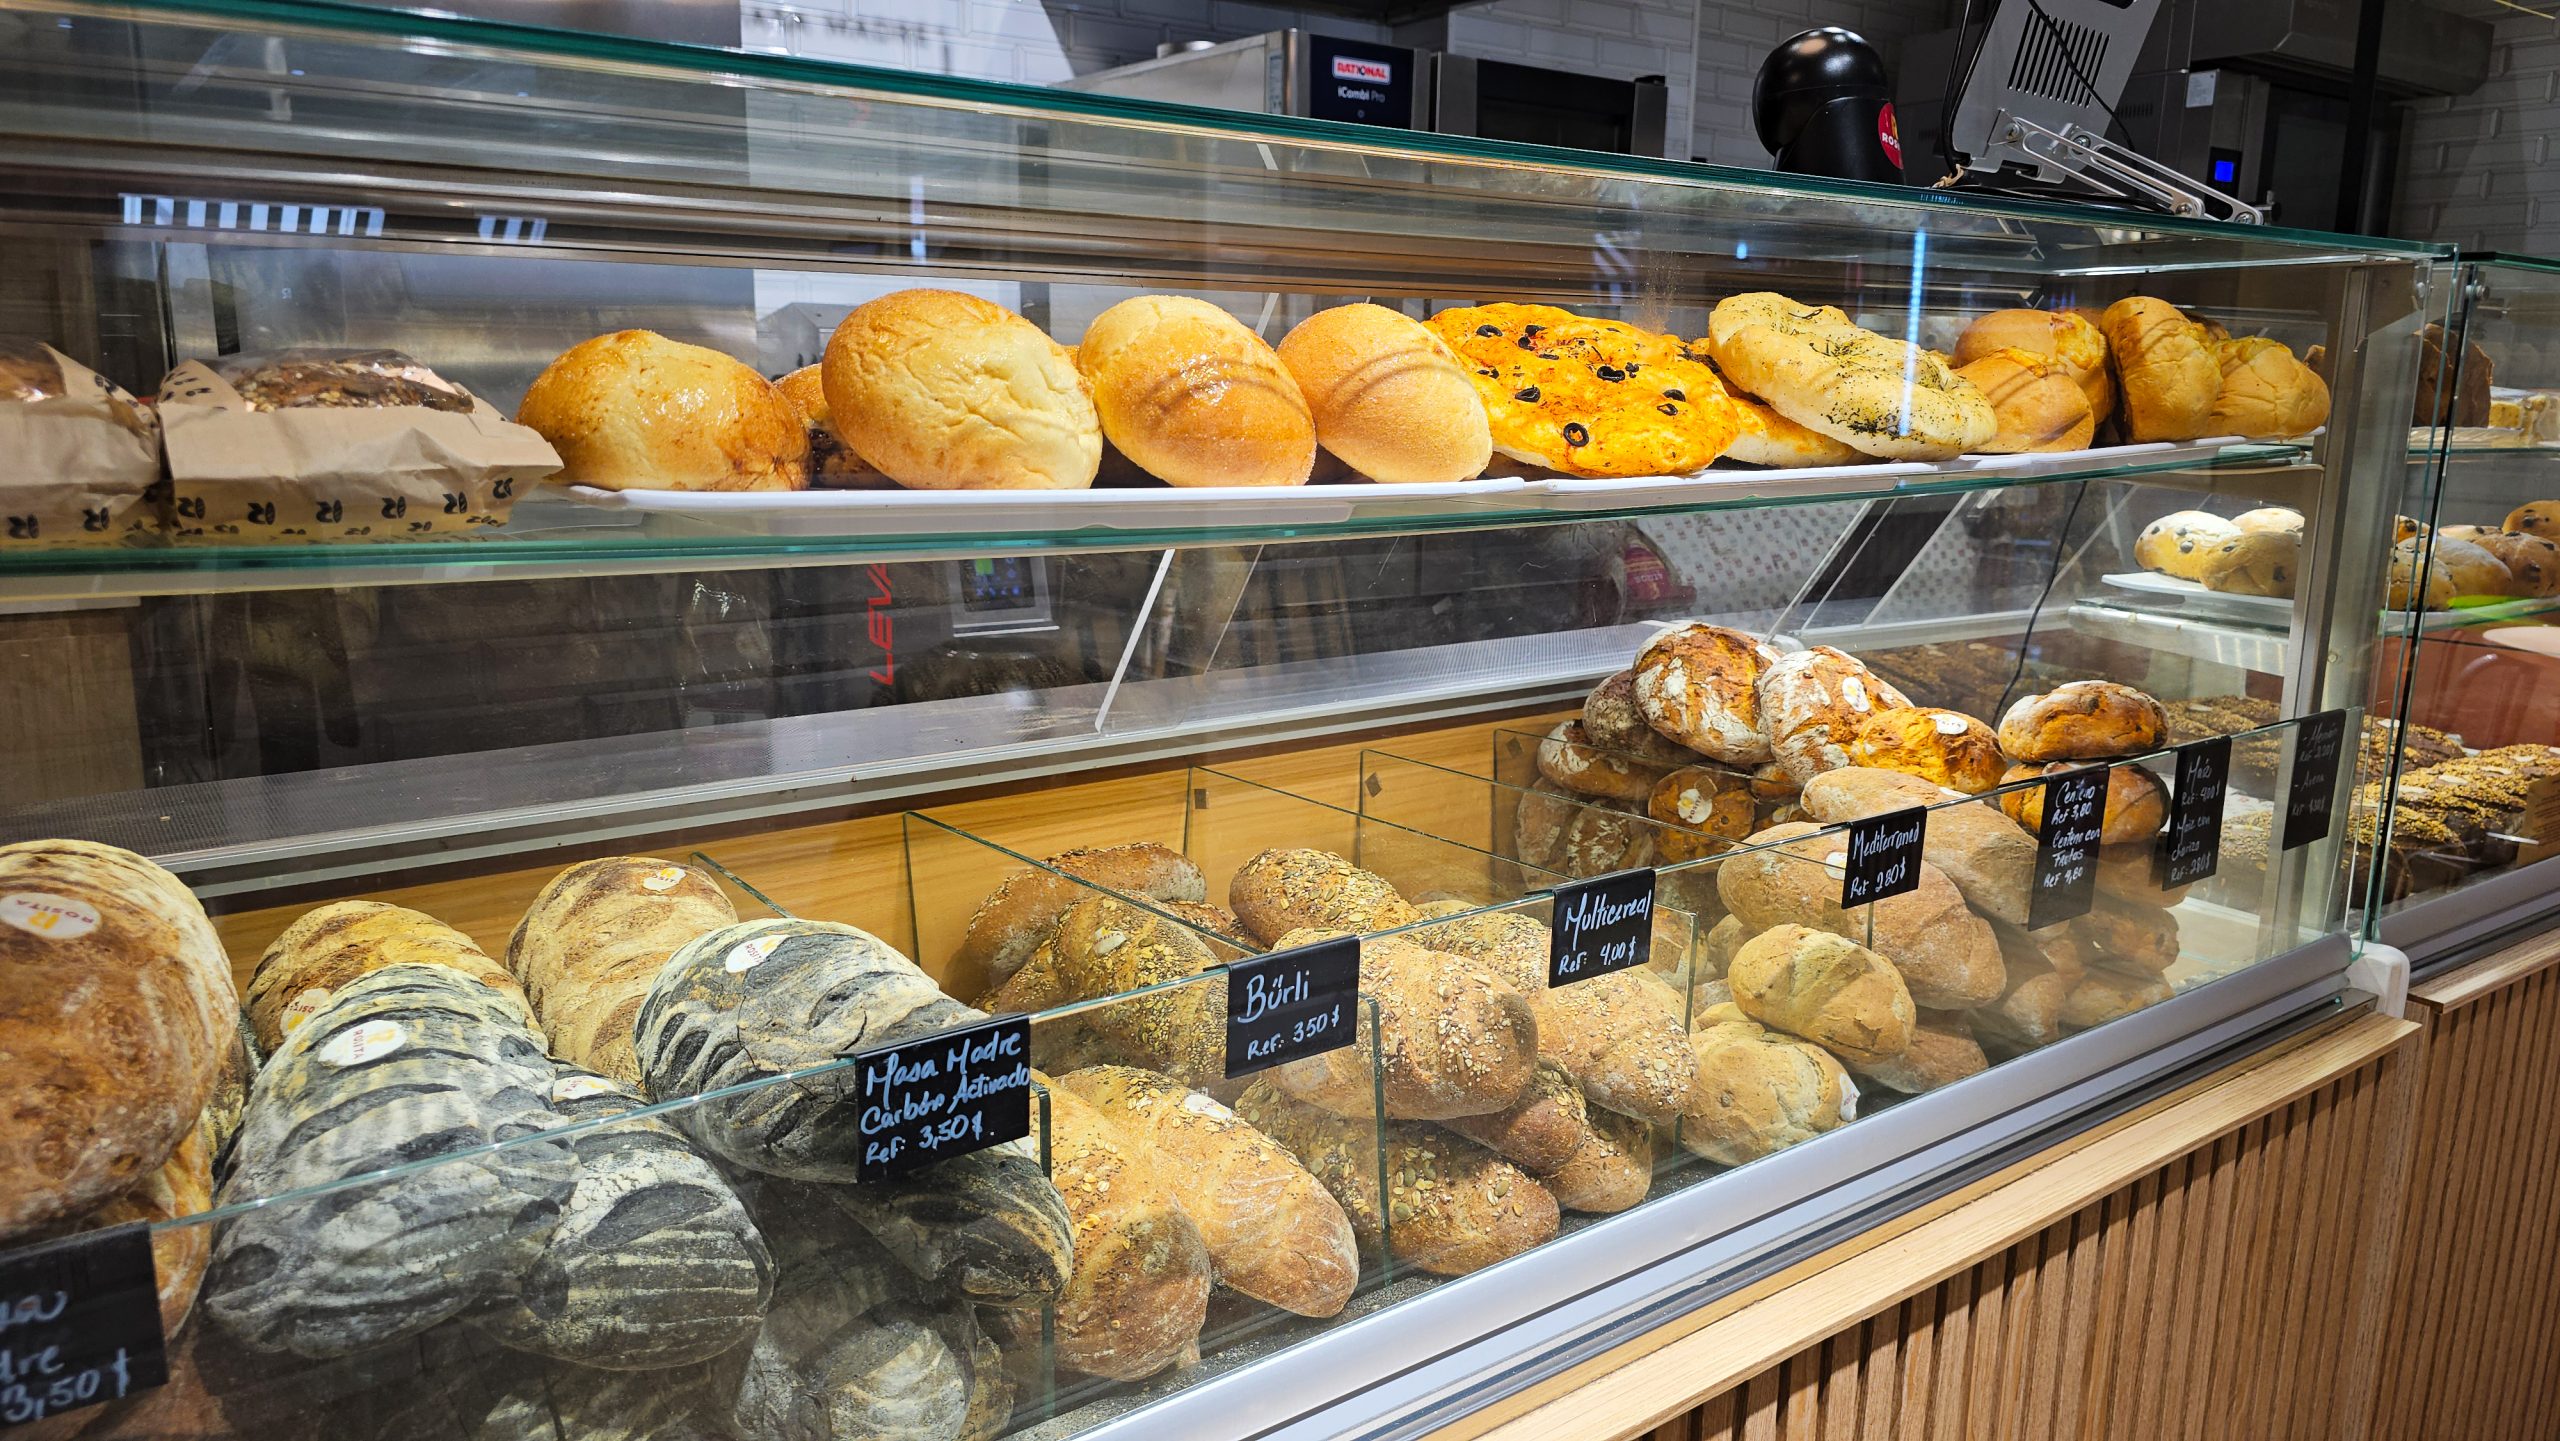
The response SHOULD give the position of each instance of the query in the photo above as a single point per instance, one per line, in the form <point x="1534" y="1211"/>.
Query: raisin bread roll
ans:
<point x="1761" y="1092"/>
<point x="116" y="1009"/>
<point x="1280" y="891"/>
<point x="2177" y="544"/>
<point x="1456" y="1206"/>
<point x="1019" y="913"/>
<point x="1812" y="703"/>
<point x="1273" y="1232"/>
<point x="2264" y="563"/>
<point x="1699" y="685"/>
<point x="1450" y="1038"/>
<point x="329" y="946"/>
<point x="1941" y="1053"/>
<point x="406" y="1063"/>
<point x="2532" y="562"/>
<point x="1988" y="857"/>
<point x="2082" y="720"/>
<point x="595" y="938"/>
<point x="1141" y="1284"/>
<point x="1943" y="747"/>
<point x="1610" y="1171"/>
<point x="1947" y="955"/>
<point x="1826" y="989"/>
<point x="1568" y="758"/>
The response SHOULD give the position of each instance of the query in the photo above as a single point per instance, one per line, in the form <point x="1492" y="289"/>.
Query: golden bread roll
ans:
<point x="2533" y="563"/>
<point x="2471" y="533"/>
<point x="2261" y="563"/>
<point x="945" y="391"/>
<point x="1195" y="398"/>
<point x="1881" y="396"/>
<point x="2269" y="520"/>
<point x="2038" y="404"/>
<point x="1825" y="988"/>
<point x="1760" y="1091"/>
<point x="2177" y="543"/>
<point x="2167" y="374"/>
<point x="636" y="411"/>
<point x="2534" y="517"/>
<point x="2137" y="804"/>
<point x="2060" y="335"/>
<point x="2472" y="569"/>
<point x="2266" y="392"/>
<point x="1768" y="438"/>
<point x="1589" y="397"/>
<point x="1712" y="806"/>
<point x="1699" y="684"/>
<point x="1947" y="747"/>
<point x="2408" y="566"/>
<point x="1389" y="396"/>
<point x="2082" y="720"/>
<point x="832" y="463"/>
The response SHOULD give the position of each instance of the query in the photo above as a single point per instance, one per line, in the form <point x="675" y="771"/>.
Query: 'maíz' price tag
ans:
<point x="1292" y="1004"/>
<point x="943" y="1095"/>
<point x="1602" y="924"/>
<point x="2192" y="848"/>
<point x="2067" y="836"/>
<point x="2318" y="743"/>
<point x="1884" y="856"/>
<point x="79" y="1324"/>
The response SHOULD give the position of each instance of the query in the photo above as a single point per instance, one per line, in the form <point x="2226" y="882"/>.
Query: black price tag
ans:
<point x="943" y="1095"/>
<point x="2192" y="849"/>
<point x="1292" y="1004"/>
<point x="2318" y="743"/>
<point x="1884" y="856"/>
<point x="2074" y="821"/>
<point x="79" y="1324"/>
<point x="1602" y="924"/>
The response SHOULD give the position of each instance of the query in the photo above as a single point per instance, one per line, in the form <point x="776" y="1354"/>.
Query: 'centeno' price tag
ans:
<point x="79" y="1324"/>
<point x="943" y="1095"/>
<point x="2318" y="743"/>
<point x="1292" y="1004"/>
<point x="2192" y="848"/>
<point x="1602" y="924"/>
<point x="1884" y="856"/>
<point x="2067" y="836"/>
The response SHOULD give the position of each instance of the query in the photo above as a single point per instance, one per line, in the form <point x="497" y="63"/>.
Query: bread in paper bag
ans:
<point x="82" y="453"/>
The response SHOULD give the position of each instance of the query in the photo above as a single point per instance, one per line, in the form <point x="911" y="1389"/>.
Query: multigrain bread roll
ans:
<point x="1611" y="1170"/>
<point x="2254" y="564"/>
<point x="1760" y="1091"/>
<point x="1195" y="398"/>
<point x="1712" y="806"/>
<point x="945" y="391"/>
<point x="832" y="463"/>
<point x="1273" y="1232"/>
<point x="1568" y="758"/>
<point x="1944" y="747"/>
<point x="2137" y="804"/>
<point x="2178" y="543"/>
<point x="116" y="1009"/>
<point x="1826" y="989"/>
<point x="1768" y="438"/>
<point x="2533" y="563"/>
<point x="333" y="944"/>
<point x="1541" y="1129"/>
<point x="1988" y="858"/>
<point x="1109" y="947"/>
<point x="1941" y="1053"/>
<point x="2266" y="392"/>
<point x="2067" y="338"/>
<point x="1020" y="912"/>
<point x="2082" y="720"/>
<point x="1280" y="891"/>
<point x="1456" y="1207"/>
<point x="1811" y="704"/>
<point x="2038" y="402"/>
<point x="1451" y="1038"/>
<point x="1698" y="685"/>
<point x="1946" y="954"/>
<point x="595" y="938"/>
<point x="636" y="411"/>
<point x="1883" y="397"/>
<point x="1389" y="397"/>
<point x="1141" y="1284"/>
<point x="2166" y="371"/>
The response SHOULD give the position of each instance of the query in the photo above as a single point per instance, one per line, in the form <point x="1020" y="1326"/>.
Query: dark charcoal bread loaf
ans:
<point x="574" y="1403"/>
<point x="987" y="1225"/>
<point x="654" y="1263"/>
<point x="404" y="1064"/>
<point x="765" y="999"/>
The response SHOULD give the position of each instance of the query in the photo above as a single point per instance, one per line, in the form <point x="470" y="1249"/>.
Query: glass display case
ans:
<point x="2468" y="658"/>
<point x="679" y="820"/>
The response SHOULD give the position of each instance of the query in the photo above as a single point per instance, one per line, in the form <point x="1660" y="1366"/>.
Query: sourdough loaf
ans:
<point x="1280" y="891"/>
<point x="1941" y="1053"/>
<point x="1141" y="1283"/>
<point x="1019" y="913"/>
<point x="2082" y="720"/>
<point x="1812" y="703"/>
<point x="333" y="944"/>
<point x="1541" y="1129"/>
<point x="988" y="1227"/>
<point x="1946" y="954"/>
<point x="1699" y="685"/>
<point x="1611" y="1170"/>
<point x="594" y="939"/>
<point x="1568" y="758"/>
<point x="1760" y="1091"/>
<point x="1988" y="857"/>
<point x="1826" y="989"/>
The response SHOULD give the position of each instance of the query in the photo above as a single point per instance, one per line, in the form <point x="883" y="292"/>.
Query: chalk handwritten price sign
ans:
<point x="2319" y="742"/>
<point x="2067" y="836"/>
<point x="1602" y="924"/>
<point x="943" y="1095"/>
<point x="1292" y="1004"/>
<point x="79" y="1324"/>
<point x="2191" y="850"/>
<point x="1883" y="857"/>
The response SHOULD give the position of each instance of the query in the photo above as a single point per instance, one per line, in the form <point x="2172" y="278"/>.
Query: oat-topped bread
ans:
<point x="330" y="945"/>
<point x="1280" y="891"/>
<point x="1109" y="947"/>
<point x="116" y="1012"/>
<point x="593" y="941"/>
<point x="1019" y="913"/>
<point x="1882" y="397"/>
<point x="1589" y="397"/>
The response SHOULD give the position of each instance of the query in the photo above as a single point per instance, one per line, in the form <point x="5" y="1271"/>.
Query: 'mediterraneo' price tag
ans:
<point x="1601" y="924"/>
<point x="79" y="1324"/>
<point x="2067" y="836"/>
<point x="1883" y="857"/>
<point x="1292" y="1004"/>
<point x="943" y="1095"/>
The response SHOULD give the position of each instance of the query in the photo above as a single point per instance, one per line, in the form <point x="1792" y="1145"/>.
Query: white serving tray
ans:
<point x="2265" y="611"/>
<point x="1040" y="512"/>
<point x="1740" y="484"/>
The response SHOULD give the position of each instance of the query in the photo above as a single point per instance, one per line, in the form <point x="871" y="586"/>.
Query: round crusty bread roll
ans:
<point x="2268" y="520"/>
<point x="1768" y="438"/>
<point x="2532" y="562"/>
<point x="2061" y="335"/>
<point x="1947" y="747"/>
<point x="2534" y="517"/>
<point x="1388" y="396"/>
<point x="1883" y="397"/>
<point x="2082" y="720"/>
<point x="636" y="411"/>
<point x="2266" y="392"/>
<point x="1698" y="685"/>
<point x="2259" y="563"/>
<point x="2472" y="569"/>
<point x="2137" y="804"/>
<point x="2038" y="404"/>
<point x="945" y="391"/>
<point x="1191" y="395"/>
<point x="2177" y="543"/>
<point x="2168" y="376"/>
<point x="832" y="463"/>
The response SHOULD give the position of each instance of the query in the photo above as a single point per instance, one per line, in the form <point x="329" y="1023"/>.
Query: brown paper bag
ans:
<point x="81" y="454"/>
<point x="308" y="445"/>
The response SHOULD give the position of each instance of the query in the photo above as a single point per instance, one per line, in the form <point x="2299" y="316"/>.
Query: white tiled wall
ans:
<point x="2480" y="168"/>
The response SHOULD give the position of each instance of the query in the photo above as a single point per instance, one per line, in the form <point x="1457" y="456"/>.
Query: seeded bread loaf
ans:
<point x="333" y="944"/>
<point x="1018" y="914"/>
<point x="592" y="942"/>
<point x="1141" y="1283"/>
<point x="1611" y="1170"/>
<point x="1538" y="1132"/>
<point x="1760" y="1091"/>
<point x="1280" y="891"/>
<point x="1106" y="947"/>
<point x="1946" y="954"/>
<point x="1451" y="1037"/>
<point x="1826" y="989"/>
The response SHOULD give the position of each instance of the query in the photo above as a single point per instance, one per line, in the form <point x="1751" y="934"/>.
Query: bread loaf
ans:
<point x="2452" y="389"/>
<point x="2167" y="375"/>
<point x="634" y="410"/>
<point x="1449" y="1038"/>
<point x="1710" y="806"/>
<point x="2082" y="720"/>
<point x="1813" y="701"/>
<point x="1195" y="398"/>
<point x="2064" y="336"/>
<point x="329" y="946"/>
<point x="1141" y="1283"/>
<point x="181" y="1187"/>
<point x="1451" y="1206"/>
<point x="987" y="1226"/>
<point x="1568" y="758"/>
<point x="1021" y="911"/>
<point x="1699" y="685"/>
<point x="1280" y="891"/>
<point x="1884" y="397"/>
<point x="547" y="1403"/>
<point x="2028" y="1011"/>
<point x="1941" y="1052"/>
<point x="1946" y="954"/>
<point x="1611" y="1170"/>
<point x="1759" y="1092"/>
<point x="2266" y="393"/>
<point x="1824" y="988"/>
<point x="1389" y="397"/>
<point x="2132" y="873"/>
<point x="2534" y="517"/>
<point x="404" y="1064"/>
<point x="2137" y="804"/>
<point x="1612" y="718"/>
<point x="1769" y="438"/>
<point x="945" y="391"/>
<point x="2128" y="936"/>
<point x="1723" y="939"/>
<point x="1990" y="860"/>
<point x="595" y="938"/>
<point x="1540" y="1130"/>
<point x="116" y="1006"/>
<point x="1943" y="747"/>
<point x="1273" y="1232"/>
<point x="2473" y="569"/>
<point x="2260" y="564"/>
<point x="2038" y="403"/>
<point x="1108" y="947"/>
<point x="2101" y="996"/>
<point x="2269" y="520"/>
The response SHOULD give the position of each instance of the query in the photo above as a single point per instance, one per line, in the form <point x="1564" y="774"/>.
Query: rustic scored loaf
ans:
<point x="2137" y="805"/>
<point x="181" y="1187"/>
<point x="1612" y="718"/>
<point x="116" y="1009"/>
<point x="1611" y="1170"/>
<point x="1140" y="1289"/>
<point x="1941" y="1053"/>
<point x="1699" y="685"/>
<point x="988" y="1226"/>
<point x="1792" y="873"/>
<point x="2082" y="720"/>
<point x="1988" y="857"/>
<point x="1280" y="891"/>
<point x="1826" y="989"/>
<point x="1539" y="1131"/>
<point x="1813" y="701"/>
<point x="1760" y="1091"/>
<point x="594" y="940"/>
<point x="1568" y="758"/>
<point x="1024" y="908"/>
<point x="1945" y="747"/>
<point x="331" y="945"/>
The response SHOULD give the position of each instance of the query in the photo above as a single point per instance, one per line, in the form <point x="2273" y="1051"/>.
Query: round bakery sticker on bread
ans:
<point x="1948" y="725"/>
<point x="302" y="1008"/>
<point x="364" y="1044"/>
<point x="664" y="878"/>
<point x="745" y="956"/>
<point x="54" y="918"/>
